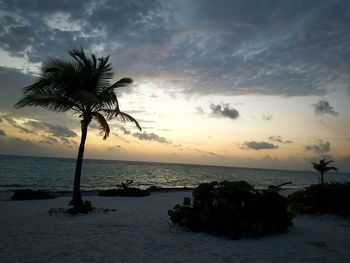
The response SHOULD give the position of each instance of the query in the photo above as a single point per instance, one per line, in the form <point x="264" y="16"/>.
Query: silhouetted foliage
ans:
<point x="83" y="86"/>
<point x="29" y="194"/>
<point x="132" y="191"/>
<point x="329" y="198"/>
<point x="233" y="209"/>
<point x="323" y="167"/>
<point x="124" y="189"/>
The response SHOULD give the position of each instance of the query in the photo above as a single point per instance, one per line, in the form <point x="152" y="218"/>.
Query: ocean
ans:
<point x="56" y="174"/>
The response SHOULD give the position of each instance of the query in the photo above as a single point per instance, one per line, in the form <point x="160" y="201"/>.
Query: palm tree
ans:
<point x="323" y="167"/>
<point x="82" y="85"/>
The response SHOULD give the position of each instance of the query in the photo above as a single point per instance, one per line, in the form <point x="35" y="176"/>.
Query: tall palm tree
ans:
<point x="323" y="167"/>
<point x="82" y="85"/>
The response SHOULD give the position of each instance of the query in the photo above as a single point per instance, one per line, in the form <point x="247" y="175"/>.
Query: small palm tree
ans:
<point x="323" y="167"/>
<point x="82" y="85"/>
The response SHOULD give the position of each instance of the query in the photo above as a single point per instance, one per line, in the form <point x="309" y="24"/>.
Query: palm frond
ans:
<point x="79" y="56"/>
<point x="53" y="103"/>
<point x="104" y="127"/>
<point x="122" y="83"/>
<point x="86" y="97"/>
<point x="326" y="163"/>
<point x="126" y="117"/>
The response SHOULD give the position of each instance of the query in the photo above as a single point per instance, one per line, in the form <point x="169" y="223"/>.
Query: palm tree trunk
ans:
<point x="77" y="201"/>
<point x="321" y="178"/>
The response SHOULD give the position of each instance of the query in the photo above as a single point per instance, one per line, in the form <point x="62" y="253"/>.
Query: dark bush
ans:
<point x="29" y="194"/>
<point x="233" y="209"/>
<point x="124" y="189"/>
<point x="330" y="198"/>
<point x="132" y="191"/>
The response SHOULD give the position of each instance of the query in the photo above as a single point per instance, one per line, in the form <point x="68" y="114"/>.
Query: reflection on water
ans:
<point x="56" y="174"/>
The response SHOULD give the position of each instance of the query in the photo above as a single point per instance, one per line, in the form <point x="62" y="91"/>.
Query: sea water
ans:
<point x="56" y="174"/>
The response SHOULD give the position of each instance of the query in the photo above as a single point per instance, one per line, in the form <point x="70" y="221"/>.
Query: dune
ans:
<point x="125" y="229"/>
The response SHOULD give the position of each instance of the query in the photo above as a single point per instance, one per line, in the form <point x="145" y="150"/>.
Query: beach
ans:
<point x="129" y="229"/>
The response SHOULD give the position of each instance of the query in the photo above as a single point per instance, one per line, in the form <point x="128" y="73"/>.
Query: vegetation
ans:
<point x="29" y="194"/>
<point x="124" y="189"/>
<point x="322" y="167"/>
<point x="329" y="198"/>
<point x="233" y="209"/>
<point x="83" y="86"/>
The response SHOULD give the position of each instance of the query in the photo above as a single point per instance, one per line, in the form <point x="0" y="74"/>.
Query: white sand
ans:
<point x="140" y="231"/>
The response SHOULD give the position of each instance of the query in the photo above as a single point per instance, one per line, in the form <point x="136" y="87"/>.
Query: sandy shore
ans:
<point x="139" y="230"/>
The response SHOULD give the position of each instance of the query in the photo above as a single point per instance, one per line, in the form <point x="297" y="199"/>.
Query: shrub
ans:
<point x="29" y="194"/>
<point x="329" y="198"/>
<point x="124" y="189"/>
<point x="233" y="209"/>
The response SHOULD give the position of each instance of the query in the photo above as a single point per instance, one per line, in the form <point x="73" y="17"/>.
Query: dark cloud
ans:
<point x="150" y="137"/>
<point x="124" y="130"/>
<point x="49" y="140"/>
<point x="319" y="148"/>
<point x="115" y="148"/>
<point x="55" y="130"/>
<point x="11" y="83"/>
<point x="33" y="127"/>
<point x="67" y="141"/>
<point x="10" y="145"/>
<point x="343" y="163"/>
<point x="224" y="110"/>
<point x="2" y="133"/>
<point x="260" y="145"/>
<point x="323" y="107"/>
<point x="206" y="152"/>
<point x="279" y="139"/>
<point x="289" y="48"/>
<point x="8" y="120"/>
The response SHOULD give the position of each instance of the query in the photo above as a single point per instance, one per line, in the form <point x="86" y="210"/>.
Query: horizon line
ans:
<point x="165" y="163"/>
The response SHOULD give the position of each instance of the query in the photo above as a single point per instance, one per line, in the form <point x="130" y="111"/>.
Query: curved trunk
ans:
<point x="77" y="201"/>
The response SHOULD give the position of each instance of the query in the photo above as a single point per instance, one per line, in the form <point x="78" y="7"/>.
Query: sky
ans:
<point x="261" y="84"/>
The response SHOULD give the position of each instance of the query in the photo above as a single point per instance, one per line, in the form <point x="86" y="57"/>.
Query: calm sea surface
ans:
<point x="56" y="174"/>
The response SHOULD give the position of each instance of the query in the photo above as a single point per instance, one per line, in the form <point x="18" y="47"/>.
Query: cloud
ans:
<point x="14" y="145"/>
<point x="124" y="130"/>
<point x="224" y="110"/>
<point x="115" y="148"/>
<point x="2" y="133"/>
<point x="11" y="145"/>
<point x="33" y="127"/>
<point x="11" y="83"/>
<point x="267" y="117"/>
<point x="200" y="47"/>
<point x="13" y="123"/>
<point x="206" y="152"/>
<point x="254" y="145"/>
<point x="319" y="148"/>
<point x="199" y="110"/>
<point x="323" y="107"/>
<point x="150" y="137"/>
<point x="278" y="139"/>
<point x="67" y="141"/>
<point x="55" y="130"/>
<point x="49" y="140"/>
